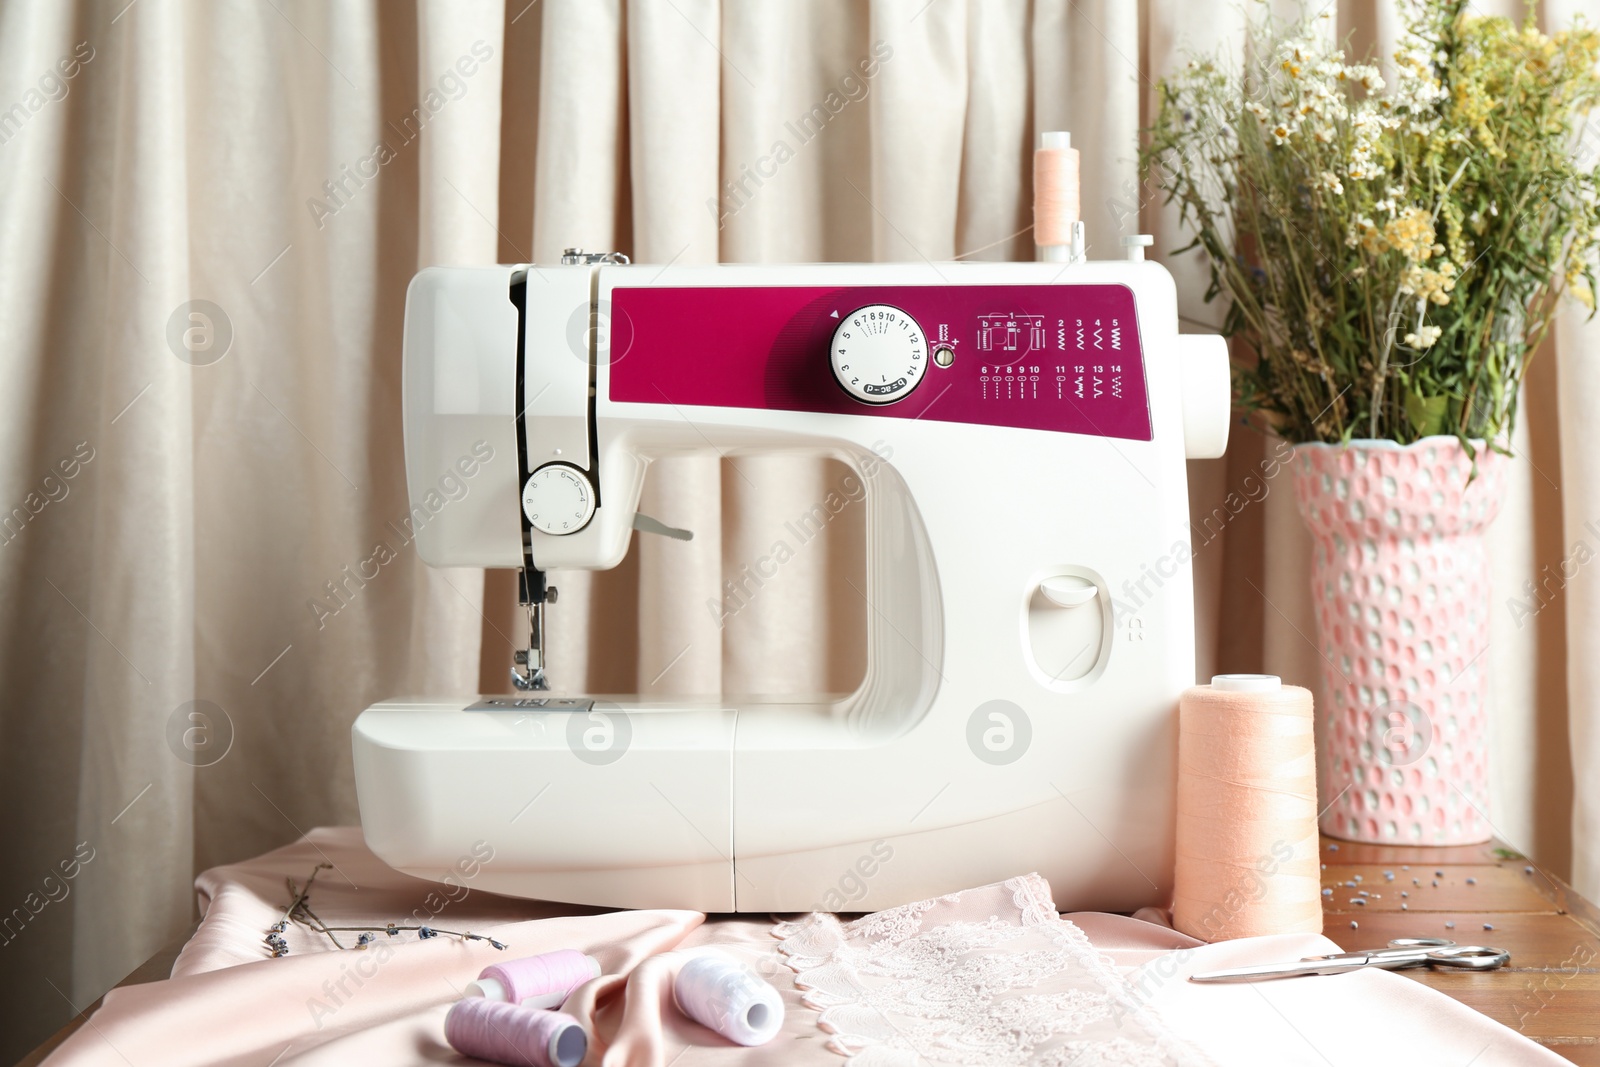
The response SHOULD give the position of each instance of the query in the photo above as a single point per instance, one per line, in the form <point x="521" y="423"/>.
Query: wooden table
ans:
<point x="1550" y="992"/>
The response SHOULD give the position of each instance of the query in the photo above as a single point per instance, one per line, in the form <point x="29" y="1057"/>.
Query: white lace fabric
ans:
<point x="985" y="976"/>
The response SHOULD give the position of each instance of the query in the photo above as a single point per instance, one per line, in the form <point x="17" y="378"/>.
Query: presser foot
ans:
<point x="527" y="680"/>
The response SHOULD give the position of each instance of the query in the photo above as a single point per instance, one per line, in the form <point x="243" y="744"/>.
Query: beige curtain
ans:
<point x="190" y="617"/>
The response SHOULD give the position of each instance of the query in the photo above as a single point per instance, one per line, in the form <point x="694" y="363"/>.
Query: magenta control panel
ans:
<point x="1041" y="357"/>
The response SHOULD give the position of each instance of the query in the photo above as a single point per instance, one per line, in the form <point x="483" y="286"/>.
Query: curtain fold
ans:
<point x="131" y="788"/>
<point x="1563" y="584"/>
<point x="207" y="229"/>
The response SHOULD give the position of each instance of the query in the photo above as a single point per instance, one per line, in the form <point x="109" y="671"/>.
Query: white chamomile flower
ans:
<point x="1424" y="337"/>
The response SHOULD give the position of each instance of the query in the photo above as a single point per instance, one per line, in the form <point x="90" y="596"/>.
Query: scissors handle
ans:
<point x="1406" y="952"/>
<point x="1469" y="957"/>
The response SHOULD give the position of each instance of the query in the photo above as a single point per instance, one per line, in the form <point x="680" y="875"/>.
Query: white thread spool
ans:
<point x="719" y="992"/>
<point x="1057" y="231"/>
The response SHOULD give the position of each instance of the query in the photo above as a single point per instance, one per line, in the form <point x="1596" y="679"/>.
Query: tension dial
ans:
<point x="557" y="499"/>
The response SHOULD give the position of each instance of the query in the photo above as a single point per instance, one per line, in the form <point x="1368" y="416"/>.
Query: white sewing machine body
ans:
<point x="1030" y="620"/>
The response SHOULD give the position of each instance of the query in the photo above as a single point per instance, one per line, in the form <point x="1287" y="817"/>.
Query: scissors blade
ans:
<point x="1262" y="972"/>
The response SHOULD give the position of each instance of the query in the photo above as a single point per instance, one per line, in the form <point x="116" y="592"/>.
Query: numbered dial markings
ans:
<point x="558" y="499"/>
<point x="879" y="354"/>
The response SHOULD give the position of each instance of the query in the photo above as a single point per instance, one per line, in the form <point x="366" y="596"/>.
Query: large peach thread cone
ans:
<point x="1247" y="811"/>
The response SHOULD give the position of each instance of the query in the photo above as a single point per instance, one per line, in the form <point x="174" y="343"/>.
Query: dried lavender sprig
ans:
<point x="423" y="932"/>
<point x="298" y="897"/>
<point x="320" y="926"/>
<point x="299" y="911"/>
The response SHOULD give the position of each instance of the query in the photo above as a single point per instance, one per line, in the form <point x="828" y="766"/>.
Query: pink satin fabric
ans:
<point x="228" y="1003"/>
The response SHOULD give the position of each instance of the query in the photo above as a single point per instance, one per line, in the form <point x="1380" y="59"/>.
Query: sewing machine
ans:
<point x="1020" y="430"/>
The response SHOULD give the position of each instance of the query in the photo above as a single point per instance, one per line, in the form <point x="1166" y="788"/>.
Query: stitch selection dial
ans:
<point x="879" y="354"/>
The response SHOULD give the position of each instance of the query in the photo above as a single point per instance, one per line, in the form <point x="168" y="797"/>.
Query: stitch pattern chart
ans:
<point x="1066" y="358"/>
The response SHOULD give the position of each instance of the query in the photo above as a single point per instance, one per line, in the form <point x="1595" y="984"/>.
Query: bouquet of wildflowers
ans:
<point x="1392" y="249"/>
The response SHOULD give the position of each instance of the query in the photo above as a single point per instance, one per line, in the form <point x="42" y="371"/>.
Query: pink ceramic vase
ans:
<point x="1400" y="582"/>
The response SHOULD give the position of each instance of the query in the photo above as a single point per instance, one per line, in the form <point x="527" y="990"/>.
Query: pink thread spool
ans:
<point x="722" y="994"/>
<point x="543" y="981"/>
<point x="505" y="1033"/>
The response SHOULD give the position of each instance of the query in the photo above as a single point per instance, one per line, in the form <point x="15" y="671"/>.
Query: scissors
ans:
<point x="1401" y="953"/>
